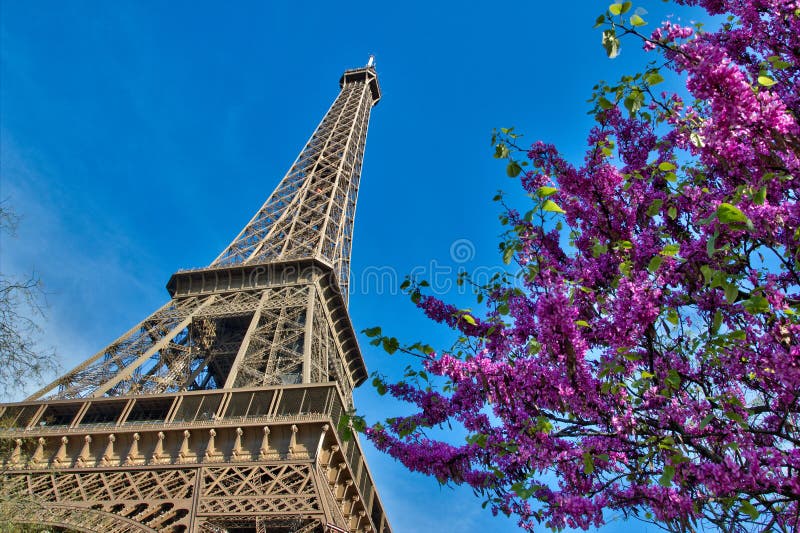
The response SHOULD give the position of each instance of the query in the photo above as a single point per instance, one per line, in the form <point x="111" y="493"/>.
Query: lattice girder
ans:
<point x="283" y="328"/>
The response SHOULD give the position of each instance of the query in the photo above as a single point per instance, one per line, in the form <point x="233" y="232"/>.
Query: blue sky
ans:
<point x="137" y="138"/>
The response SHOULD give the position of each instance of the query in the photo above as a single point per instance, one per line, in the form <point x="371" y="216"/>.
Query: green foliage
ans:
<point x="732" y="216"/>
<point x="611" y="43"/>
<point x="637" y="21"/>
<point x="766" y="81"/>
<point x="552" y="207"/>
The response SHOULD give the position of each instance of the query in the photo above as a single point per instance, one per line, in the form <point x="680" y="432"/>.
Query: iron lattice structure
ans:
<point x="219" y="411"/>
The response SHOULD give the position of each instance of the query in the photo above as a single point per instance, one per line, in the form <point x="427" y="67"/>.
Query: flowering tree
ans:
<point x="647" y="361"/>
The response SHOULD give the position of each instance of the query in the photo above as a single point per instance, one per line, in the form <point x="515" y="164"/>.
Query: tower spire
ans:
<point x="220" y="410"/>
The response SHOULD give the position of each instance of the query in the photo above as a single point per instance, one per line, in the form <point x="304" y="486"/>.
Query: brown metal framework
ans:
<point x="218" y="412"/>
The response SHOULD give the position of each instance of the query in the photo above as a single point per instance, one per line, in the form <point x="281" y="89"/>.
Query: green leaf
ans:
<point x="632" y="356"/>
<point x="778" y="63"/>
<point x="598" y="250"/>
<point x="666" y="477"/>
<point x="543" y="425"/>
<point x="653" y="78"/>
<point x="666" y="166"/>
<point x="359" y="424"/>
<point x="604" y="103"/>
<point x="738" y="335"/>
<point x="756" y="304"/>
<point x="672" y="212"/>
<point x="626" y="6"/>
<point x="716" y="322"/>
<point x="711" y="244"/>
<point x="731" y="292"/>
<point x="508" y="254"/>
<point x="760" y="196"/>
<point x="582" y="323"/>
<point x="390" y="344"/>
<point x="513" y="169"/>
<point x="611" y="43"/>
<point x="379" y="385"/>
<point x="655" y="262"/>
<point x="468" y="319"/>
<point x="673" y="379"/>
<point x="671" y="250"/>
<point x="672" y="317"/>
<point x="615" y="9"/>
<point x="522" y="491"/>
<point x="748" y="509"/>
<point x="551" y="206"/>
<point x="708" y="273"/>
<point x="479" y="439"/>
<point x="544" y="192"/>
<point x="736" y="417"/>
<point x="588" y="463"/>
<point x="730" y="214"/>
<point x="707" y="420"/>
<point x="372" y="332"/>
<point x="634" y="101"/>
<point x="678" y="458"/>
<point x="636" y="20"/>
<point x="655" y="207"/>
<point x="766" y="81"/>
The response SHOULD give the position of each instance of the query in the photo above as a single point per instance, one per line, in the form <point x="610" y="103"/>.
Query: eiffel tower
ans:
<point x="219" y="411"/>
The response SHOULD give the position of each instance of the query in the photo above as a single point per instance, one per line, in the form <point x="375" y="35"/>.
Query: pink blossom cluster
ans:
<point x="650" y="363"/>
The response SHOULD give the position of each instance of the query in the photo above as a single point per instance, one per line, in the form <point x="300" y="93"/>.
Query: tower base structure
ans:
<point x="261" y="459"/>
